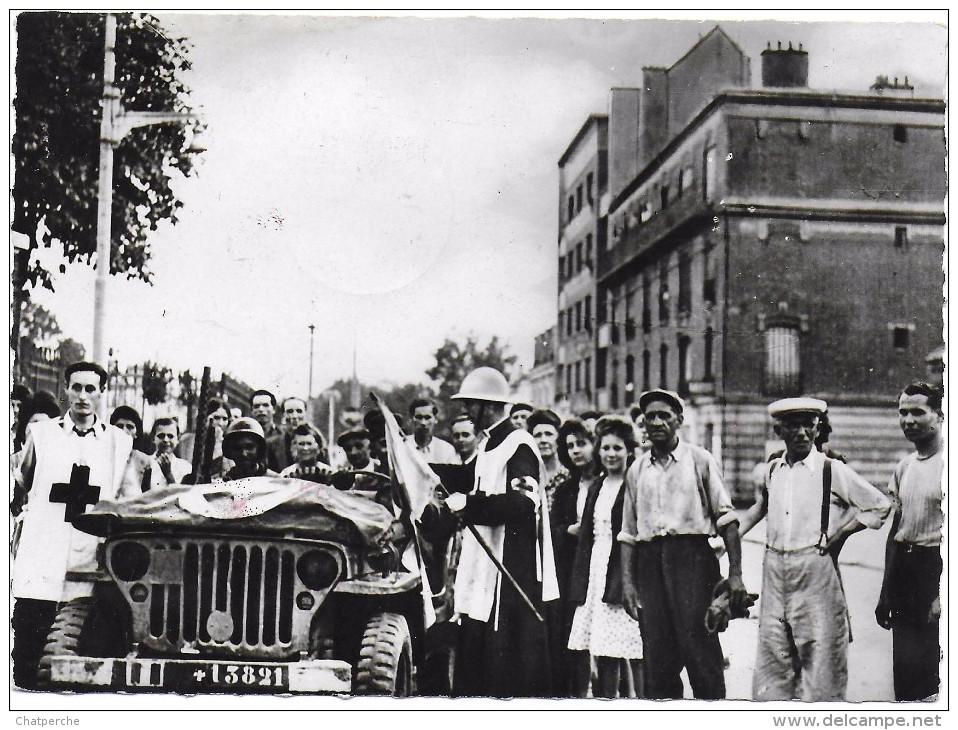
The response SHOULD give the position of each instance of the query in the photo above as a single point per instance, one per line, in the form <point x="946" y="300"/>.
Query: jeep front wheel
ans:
<point x="64" y="637"/>
<point x="385" y="658"/>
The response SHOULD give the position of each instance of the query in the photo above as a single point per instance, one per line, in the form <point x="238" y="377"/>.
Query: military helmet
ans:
<point x="486" y="384"/>
<point x="244" y="426"/>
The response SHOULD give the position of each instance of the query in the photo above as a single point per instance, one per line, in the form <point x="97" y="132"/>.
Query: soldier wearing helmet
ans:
<point x="245" y="446"/>
<point x="502" y="649"/>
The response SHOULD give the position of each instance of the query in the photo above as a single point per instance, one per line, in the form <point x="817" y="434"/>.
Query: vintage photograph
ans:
<point x="467" y="357"/>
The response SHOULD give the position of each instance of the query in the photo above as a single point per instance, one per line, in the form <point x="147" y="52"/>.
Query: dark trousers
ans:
<point x="915" y="584"/>
<point x="31" y="623"/>
<point x="675" y="576"/>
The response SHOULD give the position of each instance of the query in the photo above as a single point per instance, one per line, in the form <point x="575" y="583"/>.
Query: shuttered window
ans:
<point x="783" y="373"/>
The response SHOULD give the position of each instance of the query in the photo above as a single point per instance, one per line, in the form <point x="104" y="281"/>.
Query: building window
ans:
<point x="646" y="370"/>
<point x="578" y="257"/>
<point x="578" y="316"/>
<point x="899" y="338"/>
<point x="629" y="324"/>
<point x="587" y="374"/>
<point x="571" y="207"/>
<point x="685" y="283"/>
<point x="578" y="199"/>
<point x="568" y="380"/>
<point x="614" y="386"/>
<point x="646" y="304"/>
<point x="588" y="188"/>
<point x="710" y="173"/>
<point x="664" y="193"/>
<point x="901" y="237"/>
<point x="684" y="365"/>
<point x="601" y="359"/>
<point x="664" y="291"/>
<point x="578" y="377"/>
<point x="587" y="314"/>
<point x="588" y="250"/>
<point x="629" y="380"/>
<point x="682" y="183"/>
<point x="560" y="368"/>
<point x="561" y="320"/>
<point x="664" y="366"/>
<point x="900" y="133"/>
<point x="709" y="337"/>
<point x="568" y="322"/>
<point x="708" y="282"/>
<point x="783" y="376"/>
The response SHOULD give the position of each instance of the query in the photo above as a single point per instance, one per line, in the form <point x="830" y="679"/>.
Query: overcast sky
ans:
<point x="394" y="181"/>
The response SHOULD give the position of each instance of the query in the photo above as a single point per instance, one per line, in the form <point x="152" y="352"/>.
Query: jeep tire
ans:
<point x="64" y="637"/>
<point x="385" y="658"/>
<point x="81" y="628"/>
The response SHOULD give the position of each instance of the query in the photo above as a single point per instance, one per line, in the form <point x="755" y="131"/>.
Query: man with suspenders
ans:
<point x="813" y="503"/>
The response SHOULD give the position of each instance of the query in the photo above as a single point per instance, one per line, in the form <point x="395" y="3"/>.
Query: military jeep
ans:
<point x="260" y="585"/>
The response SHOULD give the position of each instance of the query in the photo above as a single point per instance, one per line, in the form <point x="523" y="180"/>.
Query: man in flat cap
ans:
<point x="813" y="503"/>
<point x="675" y="501"/>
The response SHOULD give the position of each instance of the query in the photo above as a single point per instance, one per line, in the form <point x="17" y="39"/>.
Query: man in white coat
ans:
<point x="68" y="464"/>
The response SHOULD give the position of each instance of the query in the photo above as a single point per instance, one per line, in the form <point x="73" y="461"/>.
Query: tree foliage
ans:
<point x="38" y="324"/>
<point x="156" y="378"/>
<point x="59" y="84"/>
<point x="70" y="351"/>
<point x="454" y="361"/>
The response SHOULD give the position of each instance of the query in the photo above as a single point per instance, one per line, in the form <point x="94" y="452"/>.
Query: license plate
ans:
<point x="241" y="677"/>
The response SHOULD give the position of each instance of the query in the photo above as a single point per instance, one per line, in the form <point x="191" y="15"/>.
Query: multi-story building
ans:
<point x="538" y="386"/>
<point x="583" y="200"/>
<point x="765" y="242"/>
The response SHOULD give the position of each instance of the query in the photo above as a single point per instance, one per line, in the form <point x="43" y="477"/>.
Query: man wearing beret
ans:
<point x="675" y="502"/>
<point x="813" y="503"/>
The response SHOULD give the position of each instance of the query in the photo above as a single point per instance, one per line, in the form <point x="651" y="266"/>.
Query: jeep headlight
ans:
<point x="129" y="561"/>
<point x="317" y="569"/>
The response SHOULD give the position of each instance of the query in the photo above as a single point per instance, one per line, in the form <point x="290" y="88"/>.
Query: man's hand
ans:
<point x="738" y="595"/>
<point x="630" y="601"/>
<point x="934" y="613"/>
<point x="718" y="545"/>
<point x="883" y="611"/>
<point x="456" y="501"/>
<point x="573" y="529"/>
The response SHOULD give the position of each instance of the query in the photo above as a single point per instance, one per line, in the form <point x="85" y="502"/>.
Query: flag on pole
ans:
<point x="417" y="483"/>
<point x="408" y="466"/>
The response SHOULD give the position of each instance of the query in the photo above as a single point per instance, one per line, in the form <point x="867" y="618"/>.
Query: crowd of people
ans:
<point x="586" y="549"/>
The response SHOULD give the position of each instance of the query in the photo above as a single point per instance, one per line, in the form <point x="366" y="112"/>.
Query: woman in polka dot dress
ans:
<point x="601" y="626"/>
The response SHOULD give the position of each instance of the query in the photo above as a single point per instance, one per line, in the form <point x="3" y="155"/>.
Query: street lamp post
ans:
<point x="114" y="126"/>
<point x="311" y="328"/>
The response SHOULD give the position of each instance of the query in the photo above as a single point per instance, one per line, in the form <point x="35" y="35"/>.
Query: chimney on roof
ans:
<point x="784" y="68"/>
<point x="884" y="87"/>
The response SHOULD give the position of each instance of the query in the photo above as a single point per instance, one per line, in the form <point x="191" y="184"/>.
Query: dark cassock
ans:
<point x="503" y="649"/>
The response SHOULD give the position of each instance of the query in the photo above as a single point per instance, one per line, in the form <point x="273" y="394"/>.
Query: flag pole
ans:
<point x="482" y="543"/>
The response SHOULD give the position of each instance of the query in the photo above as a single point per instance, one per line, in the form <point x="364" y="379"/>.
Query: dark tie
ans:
<point x="80" y="433"/>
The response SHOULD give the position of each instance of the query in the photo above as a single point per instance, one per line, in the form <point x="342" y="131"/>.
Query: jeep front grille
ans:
<point x="224" y="596"/>
<point x="253" y="584"/>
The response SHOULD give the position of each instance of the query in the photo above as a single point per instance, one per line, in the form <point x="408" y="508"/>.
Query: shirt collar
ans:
<point x="95" y="429"/>
<point x="677" y="454"/>
<point x="810" y="462"/>
<point x="497" y="426"/>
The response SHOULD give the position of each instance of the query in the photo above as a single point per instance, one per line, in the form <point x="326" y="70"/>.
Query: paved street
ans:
<point x="869" y="657"/>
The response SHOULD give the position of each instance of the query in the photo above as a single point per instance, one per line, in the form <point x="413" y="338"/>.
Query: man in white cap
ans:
<point x="813" y="503"/>
<point x="502" y="649"/>
<point x="675" y="501"/>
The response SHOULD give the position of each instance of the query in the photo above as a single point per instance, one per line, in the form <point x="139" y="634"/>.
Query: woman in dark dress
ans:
<point x="571" y="669"/>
